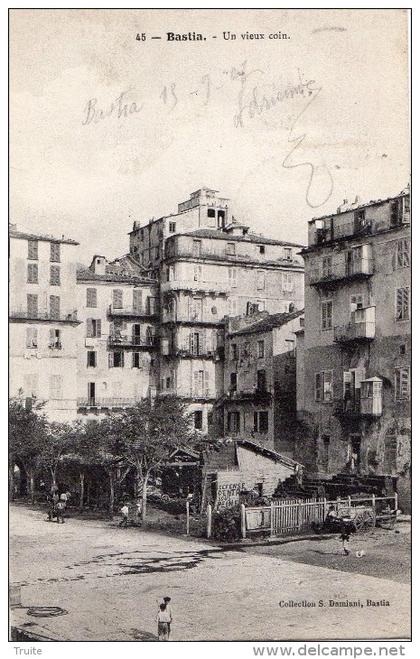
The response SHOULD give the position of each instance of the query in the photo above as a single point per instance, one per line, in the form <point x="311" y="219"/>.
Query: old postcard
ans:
<point x="210" y="325"/>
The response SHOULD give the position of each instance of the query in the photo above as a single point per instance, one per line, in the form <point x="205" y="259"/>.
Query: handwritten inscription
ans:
<point x="228" y="494"/>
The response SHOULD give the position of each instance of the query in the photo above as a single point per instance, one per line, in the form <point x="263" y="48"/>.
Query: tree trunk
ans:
<point x="111" y="494"/>
<point x="53" y="471"/>
<point x="31" y="477"/>
<point x="11" y="482"/>
<point x="82" y="490"/>
<point x="144" y="496"/>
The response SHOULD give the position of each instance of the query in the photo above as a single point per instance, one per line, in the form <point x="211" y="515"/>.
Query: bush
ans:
<point x="175" y="506"/>
<point x="227" y="524"/>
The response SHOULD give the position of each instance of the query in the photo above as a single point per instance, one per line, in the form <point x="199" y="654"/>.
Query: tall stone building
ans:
<point x="210" y="267"/>
<point x="44" y="322"/>
<point x="118" y="339"/>
<point x="355" y="351"/>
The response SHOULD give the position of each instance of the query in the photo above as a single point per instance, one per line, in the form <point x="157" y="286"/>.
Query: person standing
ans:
<point x="163" y="619"/>
<point x="60" y="508"/>
<point x="124" y="513"/>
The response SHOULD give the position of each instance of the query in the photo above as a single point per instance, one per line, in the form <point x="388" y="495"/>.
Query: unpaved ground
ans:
<point x="387" y="553"/>
<point x="109" y="580"/>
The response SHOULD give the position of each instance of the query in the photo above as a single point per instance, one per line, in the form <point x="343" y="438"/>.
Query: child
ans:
<point x="163" y="620"/>
<point x="124" y="513"/>
<point x="345" y="537"/>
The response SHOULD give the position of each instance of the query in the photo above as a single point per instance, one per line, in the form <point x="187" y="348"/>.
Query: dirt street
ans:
<point x="109" y="581"/>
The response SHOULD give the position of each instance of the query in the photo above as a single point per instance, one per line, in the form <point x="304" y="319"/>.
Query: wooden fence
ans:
<point x="288" y="516"/>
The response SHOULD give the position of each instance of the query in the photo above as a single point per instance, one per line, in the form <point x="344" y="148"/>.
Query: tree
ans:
<point x="27" y="434"/>
<point x="148" y="433"/>
<point x="60" y="440"/>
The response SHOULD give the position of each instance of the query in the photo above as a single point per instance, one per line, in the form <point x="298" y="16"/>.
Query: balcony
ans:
<point x="257" y="396"/>
<point x="106" y="403"/>
<point x="44" y="316"/>
<point x="131" y="312"/>
<point x="361" y="328"/>
<point x="341" y="231"/>
<point x="133" y="342"/>
<point x="208" y="287"/>
<point x="340" y="271"/>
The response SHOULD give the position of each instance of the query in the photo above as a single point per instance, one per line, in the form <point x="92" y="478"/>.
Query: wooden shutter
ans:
<point x="89" y="327"/>
<point x="328" y="384"/>
<point x="117" y="298"/>
<point x="98" y="327"/>
<point x="137" y="299"/>
<point x="206" y="383"/>
<point x="111" y="360"/>
<point x="55" y="306"/>
<point x="52" y="338"/>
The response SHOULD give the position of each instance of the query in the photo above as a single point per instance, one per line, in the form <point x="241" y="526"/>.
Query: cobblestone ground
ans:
<point x="109" y="580"/>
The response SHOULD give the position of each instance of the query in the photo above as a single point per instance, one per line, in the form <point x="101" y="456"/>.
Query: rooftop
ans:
<point x="26" y="235"/>
<point x="248" y="238"/>
<point x="268" y="323"/>
<point x="354" y="207"/>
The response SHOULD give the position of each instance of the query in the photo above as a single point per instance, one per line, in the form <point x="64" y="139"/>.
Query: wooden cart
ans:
<point x="359" y="519"/>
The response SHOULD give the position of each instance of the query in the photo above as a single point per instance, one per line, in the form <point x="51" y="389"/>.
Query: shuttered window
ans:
<point x="93" y="327"/>
<point x="91" y="297"/>
<point x="55" y="307"/>
<point x="326" y="315"/>
<point x="287" y="282"/>
<point x="402" y="383"/>
<point x="91" y="359"/>
<point x="55" y="275"/>
<point x="116" y="360"/>
<point x="136" y="360"/>
<point x="32" y="305"/>
<point x="137" y="299"/>
<point x="403" y="303"/>
<point x="198" y="272"/>
<point x="33" y="249"/>
<point x="324" y="386"/>
<point x="32" y="273"/>
<point x="31" y="337"/>
<point x="117" y="298"/>
<point x="403" y="253"/>
<point x="55" y="252"/>
<point x="56" y="387"/>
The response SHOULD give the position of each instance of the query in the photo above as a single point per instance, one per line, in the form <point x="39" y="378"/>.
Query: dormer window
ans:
<point x="287" y="253"/>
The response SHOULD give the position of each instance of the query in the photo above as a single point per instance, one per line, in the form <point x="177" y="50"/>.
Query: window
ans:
<point x="323" y="386"/>
<point x="56" y="387"/>
<point x="196" y="309"/>
<point x="117" y="298"/>
<point x="55" y="339"/>
<point x="233" y="306"/>
<point x="233" y="351"/>
<point x="55" y="252"/>
<point x="196" y="247"/>
<point x="403" y="303"/>
<point x="198" y="420"/>
<point x="137" y="299"/>
<point x="168" y="382"/>
<point x="359" y="219"/>
<point x="172" y="227"/>
<point x="233" y="422"/>
<point x="233" y="381"/>
<point x="32" y="305"/>
<point x="55" y="307"/>
<point x="136" y="360"/>
<point x="55" y="275"/>
<point x="32" y="273"/>
<point x="326" y="315"/>
<point x="199" y="383"/>
<point x="93" y="327"/>
<point x="31" y="337"/>
<point x="198" y="271"/>
<point x="233" y="278"/>
<point x="403" y="253"/>
<point x="327" y="266"/>
<point x="91" y="359"/>
<point x="402" y="384"/>
<point x="261" y="349"/>
<point x="260" y="280"/>
<point x="261" y="381"/>
<point x="395" y="208"/>
<point x="287" y="253"/>
<point x="261" y="249"/>
<point x="261" y="422"/>
<point x="402" y="349"/>
<point x="356" y="302"/>
<point x="220" y="218"/>
<point x="116" y="360"/>
<point x="287" y="282"/>
<point x="211" y="212"/>
<point x="30" y="385"/>
<point x="91" y="297"/>
<point x="151" y="306"/>
<point x="33" y="249"/>
<point x="231" y="249"/>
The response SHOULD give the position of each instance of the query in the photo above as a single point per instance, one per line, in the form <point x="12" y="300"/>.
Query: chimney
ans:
<point x="98" y="264"/>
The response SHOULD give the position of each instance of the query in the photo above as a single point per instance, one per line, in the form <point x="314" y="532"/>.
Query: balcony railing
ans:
<point x="340" y="270"/>
<point x="124" y="340"/>
<point x="262" y="396"/>
<point x="364" y="407"/>
<point x="189" y="285"/>
<point x="364" y="331"/>
<point x="18" y="314"/>
<point x="131" y="312"/>
<point x="341" y="231"/>
<point x="107" y="403"/>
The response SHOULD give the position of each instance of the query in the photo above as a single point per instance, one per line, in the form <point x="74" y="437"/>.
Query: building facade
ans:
<point x="260" y="379"/>
<point x="118" y="337"/>
<point x="355" y="351"/>
<point x="44" y="322"/>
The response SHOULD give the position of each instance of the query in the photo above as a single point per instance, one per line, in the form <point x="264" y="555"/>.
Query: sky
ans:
<point x="106" y="129"/>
